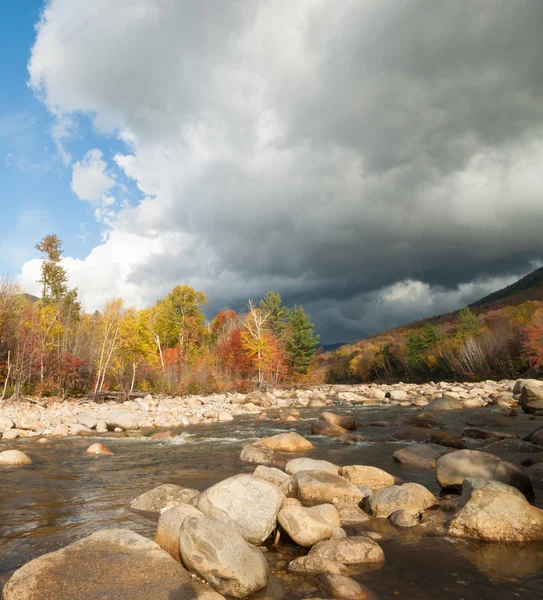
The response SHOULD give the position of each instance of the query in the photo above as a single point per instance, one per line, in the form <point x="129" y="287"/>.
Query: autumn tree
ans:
<point x="533" y="345"/>
<point x="301" y="342"/>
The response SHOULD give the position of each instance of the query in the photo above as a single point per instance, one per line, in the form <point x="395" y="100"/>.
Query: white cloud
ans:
<point x="328" y="151"/>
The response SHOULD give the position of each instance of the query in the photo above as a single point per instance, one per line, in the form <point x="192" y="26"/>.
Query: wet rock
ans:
<point x="445" y="403"/>
<point x="246" y="503"/>
<point x="399" y="395"/>
<point x="371" y="477"/>
<point x="349" y="438"/>
<point x="489" y="419"/>
<point x="225" y="417"/>
<point x="350" y="514"/>
<point x="412" y="434"/>
<point x="533" y="407"/>
<point x="420" y="455"/>
<point x="453" y="468"/>
<point x="286" y="442"/>
<point x="350" y="551"/>
<point x="483" y="434"/>
<point x="219" y="555"/>
<point x="341" y="587"/>
<point x="511" y="445"/>
<point x="496" y="513"/>
<point x="275" y="476"/>
<point x="313" y="565"/>
<point x="425" y="423"/>
<point x="445" y="439"/>
<point x="535" y="473"/>
<point x="169" y="528"/>
<point x="99" y="449"/>
<point x="348" y="423"/>
<point x="162" y="435"/>
<point x="14" y="457"/>
<point x="320" y="487"/>
<point x="470" y="484"/>
<point x="530" y="390"/>
<point x="114" y="563"/>
<point x="409" y="496"/>
<point x="324" y="428"/>
<point x="257" y="455"/>
<point x="87" y="420"/>
<point x="11" y="434"/>
<point x="304" y="527"/>
<point x="310" y="464"/>
<point x="404" y="518"/>
<point x="163" y="497"/>
<point x="121" y="419"/>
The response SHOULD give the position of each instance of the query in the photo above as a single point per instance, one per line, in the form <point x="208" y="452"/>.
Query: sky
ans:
<point x="378" y="162"/>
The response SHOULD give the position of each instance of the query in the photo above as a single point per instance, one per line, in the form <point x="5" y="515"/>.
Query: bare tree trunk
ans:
<point x="133" y="376"/>
<point x="7" y="376"/>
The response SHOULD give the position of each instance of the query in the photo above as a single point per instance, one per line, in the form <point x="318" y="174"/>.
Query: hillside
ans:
<point x="529" y="287"/>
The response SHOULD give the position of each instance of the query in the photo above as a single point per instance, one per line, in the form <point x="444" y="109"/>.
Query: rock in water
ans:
<point x="304" y="527"/>
<point x="444" y="403"/>
<point x="257" y="455"/>
<point x="421" y="455"/>
<point x="163" y="497"/>
<point x="313" y="565"/>
<point x="412" y="497"/>
<point x="348" y="423"/>
<point x="114" y="563"/>
<point x="320" y="487"/>
<point x="123" y="419"/>
<point x="217" y="553"/>
<point x="453" y="468"/>
<point x="14" y="457"/>
<point x="310" y="464"/>
<point x="371" y="477"/>
<point x="99" y="449"/>
<point x="275" y="476"/>
<point x="323" y="428"/>
<point x="169" y="527"/>
<point x="340" y="587"/>
<point x="246" y="503"/>
<point x="286" y="442"/>
<point x="354" y="550"/>
<point x="498" y="513"/>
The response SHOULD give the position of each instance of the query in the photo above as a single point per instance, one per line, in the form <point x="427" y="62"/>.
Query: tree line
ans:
<point x="502" y="343"/>
<point x="50" y="346"/>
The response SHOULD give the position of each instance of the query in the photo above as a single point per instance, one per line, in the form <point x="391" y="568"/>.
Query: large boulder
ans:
<point x="244" y="502"/>
<point x="409" y="496"/>
<point x="354" y="550"/>
<point x="114" y="563"/>
<point x="310" y="464"/>
<point x="121" y="419"/>
<point x="87" y="420"/>
<point x="484" y="434"/>
<point x="411" y="433"/>
<point x="321" y="487"/>
<point x="6" y="423"/>
<point x="14" y="457"/>
<point x="444" y="403"/>
<point x="445" y="439"/>
<point x="453" y="468"/>
<point x="258" y="455"/>
<point x="169" y="527"/>
<point x="346" y="422"/>
<point x="305" y="527"/>
<point x="421" y="455"/>
<point x="162" y="498"/>
<point x="286" y="442"/>
<point x="530" y="390"/>
<point x="273" y="475"/>
<point x="497" y="512"/>
<point x="533" y="407"/>
<point x="371" y="477"/>
<point x="351" y="514"/>
<point x="219" y="555"/>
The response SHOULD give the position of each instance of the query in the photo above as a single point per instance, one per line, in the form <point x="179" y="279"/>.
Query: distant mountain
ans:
<point x="30" y="297"/>
<point x="328" y="347"/>
<point x="529" y="287"/>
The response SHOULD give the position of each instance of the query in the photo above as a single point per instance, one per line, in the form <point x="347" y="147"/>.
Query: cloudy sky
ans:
<point x="376" y="161"/>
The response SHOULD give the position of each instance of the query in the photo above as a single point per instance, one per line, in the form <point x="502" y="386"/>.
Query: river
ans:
<point x="66" y="495"/>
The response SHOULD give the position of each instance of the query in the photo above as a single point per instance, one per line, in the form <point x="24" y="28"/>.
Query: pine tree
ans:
<point x="271" y="305"/>
<point x="53" y="274"/>
<point x="301" y="342"/>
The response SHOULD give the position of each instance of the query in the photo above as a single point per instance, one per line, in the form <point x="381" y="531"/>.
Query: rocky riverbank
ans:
<point x="26" y="417"/>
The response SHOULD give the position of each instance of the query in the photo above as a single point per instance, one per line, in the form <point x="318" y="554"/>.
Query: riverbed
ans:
<point x="65" y="495"/>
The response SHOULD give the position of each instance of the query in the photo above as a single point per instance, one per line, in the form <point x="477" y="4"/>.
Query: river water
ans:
<point x="66" y="495"/>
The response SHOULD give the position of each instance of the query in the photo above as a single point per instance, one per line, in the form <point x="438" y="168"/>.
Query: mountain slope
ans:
<point x="529" y="287"/>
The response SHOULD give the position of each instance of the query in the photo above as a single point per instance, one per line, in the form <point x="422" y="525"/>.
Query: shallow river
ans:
<point x="66" y="495"/>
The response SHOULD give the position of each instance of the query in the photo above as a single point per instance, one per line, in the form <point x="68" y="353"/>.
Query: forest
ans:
<point x="50" y="346"/>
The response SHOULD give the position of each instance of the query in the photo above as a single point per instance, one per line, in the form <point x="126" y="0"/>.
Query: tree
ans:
<point x="53" y="274"/>
<point x="533" y="345"/>
<point x="271" y="305"/>
<point x="301" y="341"/>
<point x="255" y="340"/>
<point x="468" y="323"/>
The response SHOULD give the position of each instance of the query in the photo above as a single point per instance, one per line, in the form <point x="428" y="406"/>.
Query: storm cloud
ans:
<point x="376" y="161"/>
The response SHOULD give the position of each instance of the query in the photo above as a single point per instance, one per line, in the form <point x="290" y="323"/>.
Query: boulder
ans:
<point x="536" y="475"/>
<point x="346" y="422"/>
<point x="404" y="518"/>
<point x="114" y="563"/>
<point x="60" y="430"/>
<point x="445" y="439"/>
<point x="310" y="464"/>
<point x="371" y="477"/>
<point x="324" y="428"/>
<point x="489" y="419"/>
<point x="162" y="435"/>
<point x="169" y="528"/>
<point x="248" y="504"/>
<point x="275" y="476"/>
<point x="328" y="512"/>
<point x="340" y="587"/>
<point x="257" y="455"/>
<point x="14" y="457"/>
<point x="77" y="429"/>
<point x="11" y="434"/>
<point x="533" y="407"/>
<point x="511" y="445"/>
<point x="87" y="420"/>
<point x="321" y="487"/>
<point x="225" y="417"/>
<point x="421" y="455"/>
<point x="122" y="419"/>
<point x="350" y="514"/>
<point x="470" y="484"/>
<point x="286" y="442"/>
<point x="409" y="496"/>
<point x="496" y="513"/>
<point x="218" y="554"/>
<point x="6" y="423"/>
<point x="483" y="434"/>
<point x="313" y="565"/>
<point x="354" y="550"/>
<point x="99" y="449"/>
<point x="453" y="468"/>
<point x="399" y="395"/>
<point x="411" y="433"/>
<point x="163" y="497"/>
<point x="258" y="399"/>
<point x="304" y="527"/>
<point x="530" y="390"/>
<point x="445" y="403"/>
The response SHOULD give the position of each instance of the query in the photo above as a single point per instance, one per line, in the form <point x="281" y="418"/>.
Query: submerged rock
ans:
<point x="313" y="565"/>
<point x="163" y="497"/>
<point x="114" y="563"/>
<point x="340" y="587"/>
<point x="323" y="428"/>
<point x="444" y="403"/>
<point x="345" y="422"/>
<point x="99" y="449"/>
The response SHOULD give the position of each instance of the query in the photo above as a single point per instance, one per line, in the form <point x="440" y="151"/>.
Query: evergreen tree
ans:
<point x="53" y="274"/>
<point x="272" y="305"/>
<point x="468" y="323"/>
<point x="301" y="342"/>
